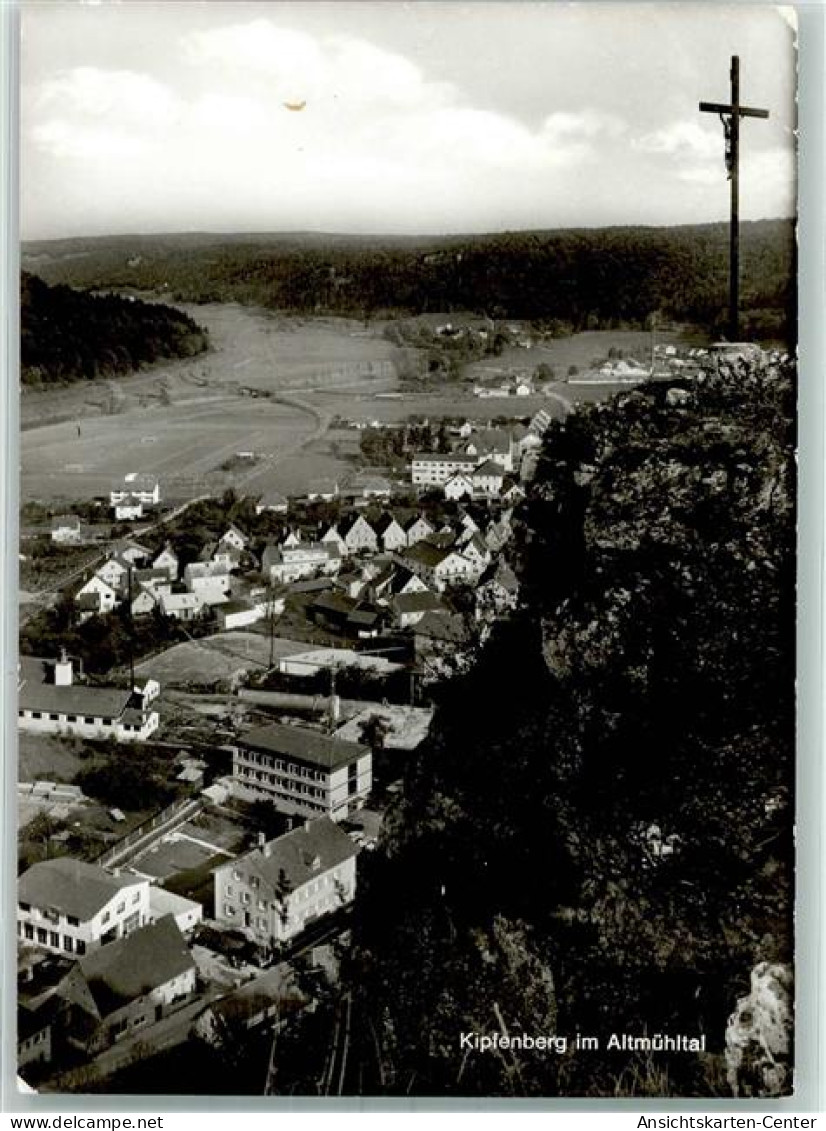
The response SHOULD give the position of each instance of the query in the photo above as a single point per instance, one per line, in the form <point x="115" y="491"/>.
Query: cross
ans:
<point x="730" y="117"/>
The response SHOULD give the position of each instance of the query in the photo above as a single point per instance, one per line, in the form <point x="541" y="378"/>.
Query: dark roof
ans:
<point x="444" y="457"/>
<point x="36" y="694"/>
<point x="304" y="745"/>
<point x="427" y="553"/>
<point x="417" y="602"/>
<point x="384" y="522"/>
<point x="489" y="467"/>
<point x="490" y="441"/>
<point x="71" y="886"/>
<point x="135" y="965"/>
<point x="236" y="607"/>
<point x="289" y="859"/>
<point x="451" y="629"/>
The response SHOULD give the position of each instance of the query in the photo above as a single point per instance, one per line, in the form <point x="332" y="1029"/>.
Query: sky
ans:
<point x="421" y="117"/>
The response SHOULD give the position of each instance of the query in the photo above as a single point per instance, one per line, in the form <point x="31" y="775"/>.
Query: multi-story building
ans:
<point x="278" y="889"/>
<point x="136" y="488"/>
<point x="302" y="771"/>
<point x="70" y="907"/>
<point x="50" y="702"/>
<point x="433" y="469"/>
<point x="208" y="580"/>
<point x="307" y="559"/>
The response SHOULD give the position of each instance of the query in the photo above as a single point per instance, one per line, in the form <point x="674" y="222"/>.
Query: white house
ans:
<point x="289" y="563"/>
<point x="437" y="566"/>
<point x="459" y="486"/>
<point x="302" y="771"/>
<point x="70" y="907"/>
<point x="433" y="469"/>
<point x="488" y="478"/>
<point x="167" y="560"/>
<point x="114" y="572"/>
<point x="128" y="511"/>
<point x="278" y="504"/>
<point x="492" y="444"/>
<point x="417" y="529"/>
<point x="66" y="530"/>
<point x="186" y="912"/>
<point x="181" y="606"/>
<point x="208" y="580"/>
<point x="99" y="592"/>
<point x="332" y="537"/>
<point x="276" y="891"/>
<point x="390" y="533"/>
<point x="136" y="487"/>
<point x="234" y="537"/>
<point x="359" y="536"/>
<point x="49" y="701"/>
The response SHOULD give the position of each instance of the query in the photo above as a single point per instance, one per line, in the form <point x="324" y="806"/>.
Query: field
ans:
<point x="184" y="419"/>
<point x="215" y="658"/>
<point x="271" y="385"/>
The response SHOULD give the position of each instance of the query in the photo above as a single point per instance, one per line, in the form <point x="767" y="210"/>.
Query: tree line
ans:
<point x="67" y="335"/>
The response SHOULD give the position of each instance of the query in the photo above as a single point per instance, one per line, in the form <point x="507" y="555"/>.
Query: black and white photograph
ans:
<point x="406" y="698"/>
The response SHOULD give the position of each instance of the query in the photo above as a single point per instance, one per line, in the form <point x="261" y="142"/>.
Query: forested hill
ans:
<point x="67" y="335"/>
<point x="592" y="278"/>
<point x="598" y="838"/>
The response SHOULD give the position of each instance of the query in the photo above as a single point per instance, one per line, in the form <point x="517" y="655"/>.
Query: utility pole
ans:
<point x="730" y="117"/>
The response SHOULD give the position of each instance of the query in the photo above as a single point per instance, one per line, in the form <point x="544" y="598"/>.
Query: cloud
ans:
<point x="687" y="140"/>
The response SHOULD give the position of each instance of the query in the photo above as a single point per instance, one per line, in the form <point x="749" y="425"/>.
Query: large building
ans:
<point x="290" y="563"/>
<point x="433" y="469"/>
<point x="301" y="771"/>
<point x="136" y="489"/>
<point x="284" y="885"/>
<point x="70" y="907"/>
<point x="49" y="701"/>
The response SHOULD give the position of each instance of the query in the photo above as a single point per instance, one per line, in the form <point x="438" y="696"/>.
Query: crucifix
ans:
<point x="730" y="117"/>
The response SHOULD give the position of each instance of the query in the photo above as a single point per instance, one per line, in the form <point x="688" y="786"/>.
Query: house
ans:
<point x="289" y="563"/>
<point x="66" y="530"/>
<point x="127" y="985"/>
<point x="181" y="606"/>
<point x="409" y="608"/>
<point x="498" y="591"/>
<point x="136" y="488"/>
<point x="278" y="504"/>
<point x="359" y="536"/>
<point x="459" y="486"/>
<point x="292" y="538"/>
<point x="267" y="1000"/>
<point x="186" y="912"/>
<point x="417" y="528"/>
<point x="373" y="487"/>
<point x="390" y="533"/>
<point x="498" y="534"/>
<point x="239" y="614"/>
<point x="524" y="388"/>
<point x="280" y="888"/>
<point x="145" y="601"/>
<point x="477" y="551"/>
<point x="132" y="552"/>
<point x="322" y="489"/>
<point x="70" y="907"/>
<point x="492" y="444"/>
<point x="208" y="580"/>
<point x="34" y="1033"/>
<point x="488" y="479"/>
<point x="302" y="771"/>
<point x="167" y="560"/>
<point x="129" y="511"/>
<point x="222" y="554"/>
<point x="234" y="537"/>
<point x="103" y="597"/>
<point x="341" y="613"/>
<point x="512" y="492"/>
<point x="438" y="567"/>
<point x="433" y="469"/>
<point x="114" y="572"/>
<point x="332" y="537"/>
<point x="49" y="701"/>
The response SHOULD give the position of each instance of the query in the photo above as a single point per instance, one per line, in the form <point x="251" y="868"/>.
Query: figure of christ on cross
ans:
<point x="730" y="116"/>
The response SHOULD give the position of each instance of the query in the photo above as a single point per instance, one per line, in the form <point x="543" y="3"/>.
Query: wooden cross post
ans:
<point x="730" y="117"/>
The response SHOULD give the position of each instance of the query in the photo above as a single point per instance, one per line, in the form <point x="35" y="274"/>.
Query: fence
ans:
<point x="162" y="822"/>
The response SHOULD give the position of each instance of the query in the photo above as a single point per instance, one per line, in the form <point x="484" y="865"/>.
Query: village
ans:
<point x="298" y="643"/>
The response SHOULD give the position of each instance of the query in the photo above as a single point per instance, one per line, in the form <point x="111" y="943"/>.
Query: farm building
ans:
<point x="50" y="702"/>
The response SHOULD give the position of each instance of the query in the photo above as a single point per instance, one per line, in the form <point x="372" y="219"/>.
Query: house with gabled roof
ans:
<point x="359" y="536"/>
<point x="487" y="479"/>
<point x="234" y="537"/>
<point x="390" y="532"/>
<point x="114" y="572"/>
<point x="459" y="486"/>
<point x="167" y="560"/>
<point x="491" y="444"/>
<point x="127" y="985"/>
<point x="70" y="907"/>
<point x="284" y="885"/>
<point x="417" y="528"/>
<point x="102" y="597"/>
<point x="409" y="608"/>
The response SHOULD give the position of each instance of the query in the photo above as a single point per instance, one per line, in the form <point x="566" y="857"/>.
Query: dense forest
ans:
<point x="66" y="335"/>
<point x="591" y="278"/>
<point x="599" y="836"/>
